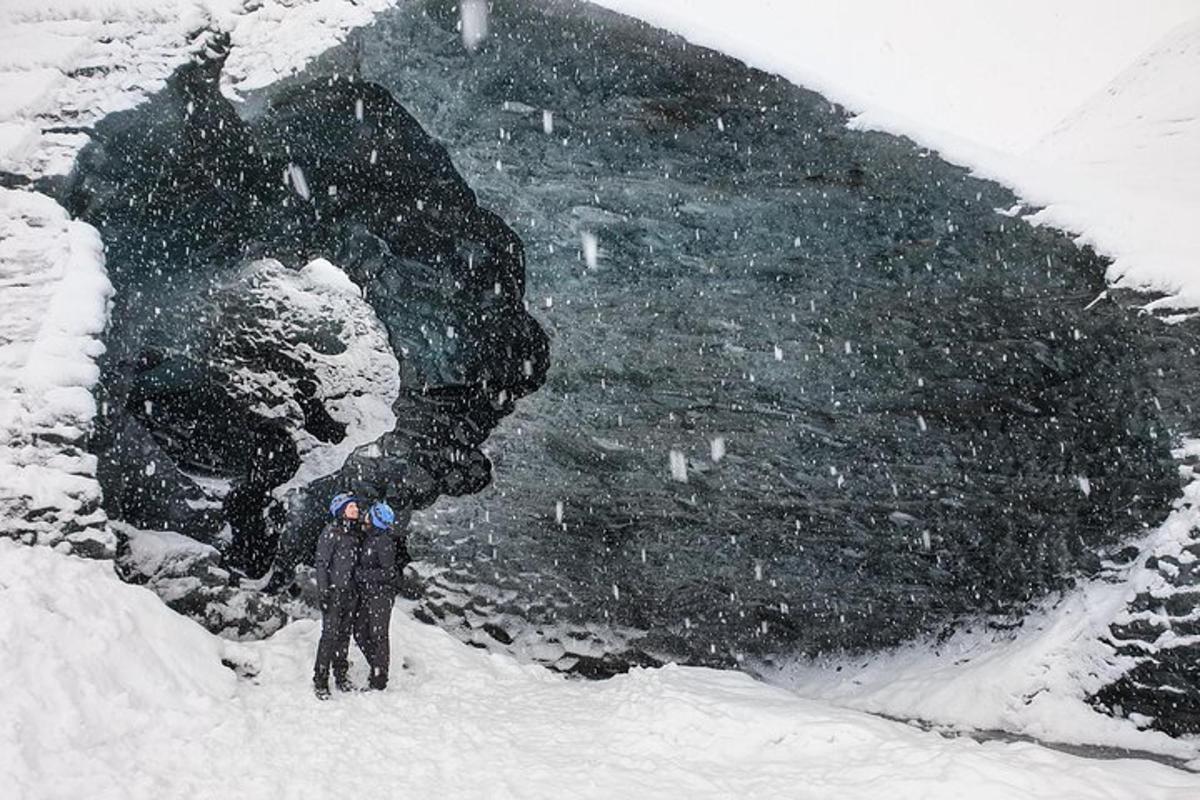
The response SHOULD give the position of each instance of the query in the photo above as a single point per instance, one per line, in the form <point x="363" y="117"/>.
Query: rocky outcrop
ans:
<point x="189" y="578"/>
<point x="1157" y="638"/>
<point x="307" y="302"/>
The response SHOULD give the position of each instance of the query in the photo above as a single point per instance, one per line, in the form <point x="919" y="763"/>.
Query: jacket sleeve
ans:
<point x="324" y="555"/>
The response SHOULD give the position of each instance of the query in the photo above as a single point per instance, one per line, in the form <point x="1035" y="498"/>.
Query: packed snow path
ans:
<point x="111" y="695"/>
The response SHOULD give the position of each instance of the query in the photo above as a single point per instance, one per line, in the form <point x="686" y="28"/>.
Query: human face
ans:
<point x="351" y="511"/>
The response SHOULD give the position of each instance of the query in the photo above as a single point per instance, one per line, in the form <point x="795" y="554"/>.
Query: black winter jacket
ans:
<point x="338" y="555"/>
<point x="377" y="568"/>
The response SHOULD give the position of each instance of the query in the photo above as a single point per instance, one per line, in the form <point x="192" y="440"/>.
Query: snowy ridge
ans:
<point x="1129" y="161"/>
<point x="56" y="293"/>
<point x="140" y="706"/>
<point x="65" y="65"/>
<point x="1088" y="109"/>
<point x="69" y="63"/>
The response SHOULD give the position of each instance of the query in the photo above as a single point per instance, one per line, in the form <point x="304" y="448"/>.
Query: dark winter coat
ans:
<point x="378" y="579"/>
<point x="377" y="570"/>
<point x="338" y="556"/>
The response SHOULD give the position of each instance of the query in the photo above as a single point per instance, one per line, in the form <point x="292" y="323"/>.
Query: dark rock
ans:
<point x="188" y="577"/>
<point x="212" y="385"/>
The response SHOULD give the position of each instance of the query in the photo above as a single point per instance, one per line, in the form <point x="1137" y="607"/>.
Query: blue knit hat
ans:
<point x="382" y="515"/>
<point x="339" y="502"/>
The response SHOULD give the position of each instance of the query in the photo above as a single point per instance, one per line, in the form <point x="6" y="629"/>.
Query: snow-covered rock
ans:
<point x="189" y="578"/>
<point x="54" y="301"/>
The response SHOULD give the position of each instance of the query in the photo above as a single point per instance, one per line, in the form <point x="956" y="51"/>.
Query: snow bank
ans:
<point x="100" y="678"/>
<point x="1091" y="109"/>
<point x="1033" y="682"/>
<point x="111" y="695"/>
<point x="55" y="295"/>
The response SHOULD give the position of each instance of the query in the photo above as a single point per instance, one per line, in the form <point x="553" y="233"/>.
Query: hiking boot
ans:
<point x="343" y="684"/>
<point x="321" y="690"/>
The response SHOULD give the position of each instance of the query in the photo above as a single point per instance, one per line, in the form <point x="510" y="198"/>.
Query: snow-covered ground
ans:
<point x="1088" y="108"/>
<point x="108" y="694"/>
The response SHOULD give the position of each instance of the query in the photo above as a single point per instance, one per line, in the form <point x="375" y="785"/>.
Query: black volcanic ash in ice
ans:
<point x="955" y="423"/>
<point x="209" y="378"/>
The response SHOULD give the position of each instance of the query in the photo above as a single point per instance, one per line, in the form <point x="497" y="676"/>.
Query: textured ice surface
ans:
<point x="306" y="302"/>
<point x="908" y="386"/>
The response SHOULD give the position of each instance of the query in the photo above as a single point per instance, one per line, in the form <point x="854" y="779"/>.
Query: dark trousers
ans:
<point x="337" y="624"/>
<point x="371" y="626"/>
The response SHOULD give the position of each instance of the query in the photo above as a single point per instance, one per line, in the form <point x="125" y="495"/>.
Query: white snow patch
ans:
<point x="151" y="552"/>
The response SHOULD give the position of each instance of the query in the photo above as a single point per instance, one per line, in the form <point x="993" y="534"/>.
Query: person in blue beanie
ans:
<point x="378" y="579"/>
<point x="338" y="554"/>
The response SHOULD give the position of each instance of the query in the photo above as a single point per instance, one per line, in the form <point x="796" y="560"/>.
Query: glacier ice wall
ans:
<point x="233" y="354"/>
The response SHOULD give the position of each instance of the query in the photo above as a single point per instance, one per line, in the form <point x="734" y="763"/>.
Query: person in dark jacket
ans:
<point x="378" y="579"/>
<point x="338" y="554"/>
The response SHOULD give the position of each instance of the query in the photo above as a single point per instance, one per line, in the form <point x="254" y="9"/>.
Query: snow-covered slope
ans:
<point x="1087" y="108"/>
<point x="98" y="675"/>
<point x="55" y="291"/>
<point x="111" y="695"/>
